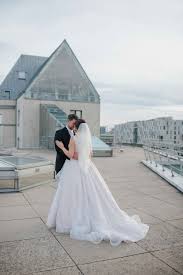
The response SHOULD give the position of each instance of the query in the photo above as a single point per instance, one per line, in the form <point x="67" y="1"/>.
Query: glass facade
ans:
<point x="62" y="78"/>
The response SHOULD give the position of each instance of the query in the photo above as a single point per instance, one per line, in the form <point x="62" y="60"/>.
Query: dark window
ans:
<point x="77" y="112"/>
<point x="8" y="94"/>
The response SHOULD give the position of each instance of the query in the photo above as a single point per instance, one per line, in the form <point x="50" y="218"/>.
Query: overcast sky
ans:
<point x="132" y="50"/>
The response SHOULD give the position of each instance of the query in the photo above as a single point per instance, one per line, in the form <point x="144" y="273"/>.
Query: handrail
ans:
<point x="165" y="154"/>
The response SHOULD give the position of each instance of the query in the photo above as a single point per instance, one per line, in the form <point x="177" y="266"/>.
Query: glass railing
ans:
<point x="166" y="154"/>
<point x="59" y="115"/>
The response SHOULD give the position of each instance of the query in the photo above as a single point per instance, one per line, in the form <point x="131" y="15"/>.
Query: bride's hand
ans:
<point x="75" y="156"/>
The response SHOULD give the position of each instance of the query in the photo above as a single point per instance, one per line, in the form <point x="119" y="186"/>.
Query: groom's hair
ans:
<point x="72" y="116"/>
<point x="79" y="121"/>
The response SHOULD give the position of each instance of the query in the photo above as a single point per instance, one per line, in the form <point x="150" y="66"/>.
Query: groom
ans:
<point x="63" y="135"/>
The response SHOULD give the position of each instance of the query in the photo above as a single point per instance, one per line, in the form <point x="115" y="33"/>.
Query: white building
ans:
<point x="164" y="129"/>
<point x="38" y="94"/>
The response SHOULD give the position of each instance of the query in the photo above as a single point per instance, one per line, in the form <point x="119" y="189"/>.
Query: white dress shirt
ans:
<point x="70" y="131"/>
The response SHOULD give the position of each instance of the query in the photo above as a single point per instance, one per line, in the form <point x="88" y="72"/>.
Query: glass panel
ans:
<point x="17" y="173"/>
<point x="63" y="79"/>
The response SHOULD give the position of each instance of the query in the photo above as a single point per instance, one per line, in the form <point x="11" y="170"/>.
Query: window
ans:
<point x="8" y="94"/>
<point x="21" y="75"/>
<point x="77" y="112"/>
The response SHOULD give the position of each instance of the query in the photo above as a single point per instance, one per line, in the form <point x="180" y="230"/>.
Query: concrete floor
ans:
<point x="28" y="247"/>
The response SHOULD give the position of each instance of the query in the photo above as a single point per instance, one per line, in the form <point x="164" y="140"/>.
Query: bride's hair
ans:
<point x="78" y="122"/>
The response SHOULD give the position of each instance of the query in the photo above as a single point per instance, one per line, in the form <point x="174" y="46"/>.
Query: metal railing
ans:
<point x="165" y="154"/>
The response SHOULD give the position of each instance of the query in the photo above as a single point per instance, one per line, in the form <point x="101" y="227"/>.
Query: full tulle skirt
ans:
<point x="84" y="207"/>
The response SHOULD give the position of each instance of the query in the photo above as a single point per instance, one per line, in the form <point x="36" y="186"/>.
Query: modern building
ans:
<point x="38" y="94"/>
<point x="102" y="130"/>
<point x="164" y="129"/>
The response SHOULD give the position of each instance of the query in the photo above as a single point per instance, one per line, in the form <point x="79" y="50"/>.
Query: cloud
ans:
<point x="112" y="114"/>
<point x="131" y="50"/>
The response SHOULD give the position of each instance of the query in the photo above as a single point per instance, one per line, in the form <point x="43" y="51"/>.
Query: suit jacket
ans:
<point x="64" y="136"/>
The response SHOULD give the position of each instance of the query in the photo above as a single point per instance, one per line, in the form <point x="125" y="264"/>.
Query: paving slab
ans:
<point x="161" y="236"/>
<point x="142" y="264"/>
<point x="175" y="198"/>
<point x="156" y="207"/>
<point x="41" y="208"/>
<point x="146" y="218"/>
<point x="22" y="229"/>
<point x="16" y="212"/>
<point x="12" y="199"/>
<point x="85" y="252"/>
<point x="172" y="256"/>
<point x="35" y="255"/>
<point x="177" y="223"/>
<point x="73" y="270"/>
<point x="40" y="194"/>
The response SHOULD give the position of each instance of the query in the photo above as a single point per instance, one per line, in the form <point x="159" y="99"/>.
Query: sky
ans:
<point x="132" y="50"/>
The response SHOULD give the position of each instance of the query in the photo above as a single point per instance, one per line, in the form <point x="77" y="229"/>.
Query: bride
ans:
<point x="83" y="205"/>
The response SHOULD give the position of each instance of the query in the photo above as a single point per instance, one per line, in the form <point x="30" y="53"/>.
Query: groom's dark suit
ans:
<point x="64" y="136"/>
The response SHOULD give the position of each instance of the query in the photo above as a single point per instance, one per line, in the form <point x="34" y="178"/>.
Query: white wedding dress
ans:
<point x="84" y="207"/>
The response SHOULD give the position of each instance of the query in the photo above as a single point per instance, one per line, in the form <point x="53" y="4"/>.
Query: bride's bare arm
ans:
<point x="69" y="153"/>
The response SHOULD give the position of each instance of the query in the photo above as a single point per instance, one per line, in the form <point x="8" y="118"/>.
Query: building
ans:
<point x="38" y="94"/>
<point x="106" y="136"/>
<point x="164" y="129"/>
<point x="102" y="130"/>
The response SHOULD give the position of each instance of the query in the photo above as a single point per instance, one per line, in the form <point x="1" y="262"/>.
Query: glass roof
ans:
<point x="98" y="144"/>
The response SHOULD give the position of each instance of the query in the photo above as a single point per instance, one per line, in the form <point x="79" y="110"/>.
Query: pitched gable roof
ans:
<point x="29" y="64"/>
<point x="61" y="47"/>
<point x="34" y="67"/>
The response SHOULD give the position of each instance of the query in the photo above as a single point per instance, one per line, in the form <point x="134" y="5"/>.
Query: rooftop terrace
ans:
<point x="28" y="247"/>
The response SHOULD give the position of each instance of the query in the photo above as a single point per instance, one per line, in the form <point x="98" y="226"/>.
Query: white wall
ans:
<point x="28" y="131"/>
<point x="8" y="123"/>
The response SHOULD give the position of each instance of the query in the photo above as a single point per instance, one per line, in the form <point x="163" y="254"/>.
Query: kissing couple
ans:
<point x="83" y="206"/>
